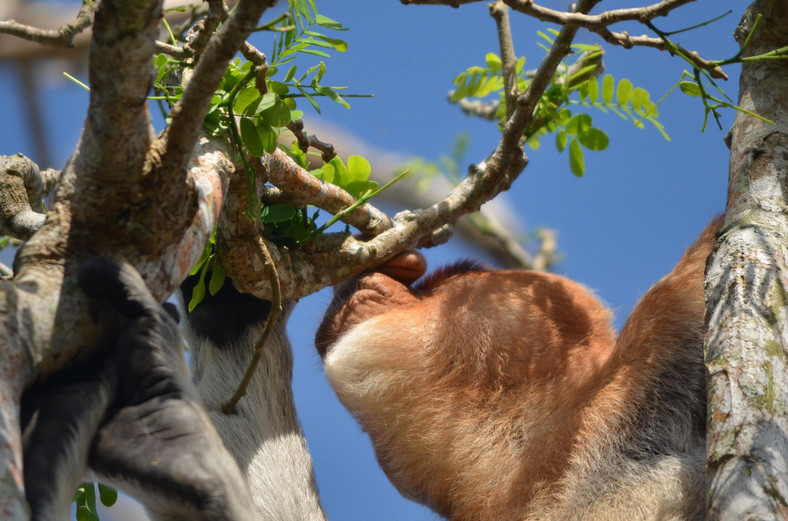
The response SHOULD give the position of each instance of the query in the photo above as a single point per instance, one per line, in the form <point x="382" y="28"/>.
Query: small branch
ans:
<point x="304" y="188"/>
<point x="580" y="19"/>
<point x="62" y="37"/>
<point x="450" y="3"/>
<point x="251" y="53"/>
<point x="600" y="24"/>
<point x="180" y="53"/>
<point x="623" y="39"/>
<point x="189" y="113"/>
<point x="305" y="141"/>
<point x="500" y="12"/>
<point x="276" y="309"/>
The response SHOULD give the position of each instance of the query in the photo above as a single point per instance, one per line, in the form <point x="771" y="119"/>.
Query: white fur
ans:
<point x="263" y="434"/>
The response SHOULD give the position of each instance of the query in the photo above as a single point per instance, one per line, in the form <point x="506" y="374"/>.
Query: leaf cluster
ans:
<point x="574" y="86"/>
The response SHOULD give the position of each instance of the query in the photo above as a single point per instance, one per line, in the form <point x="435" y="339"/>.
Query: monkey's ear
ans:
<point x="119" y="284"/>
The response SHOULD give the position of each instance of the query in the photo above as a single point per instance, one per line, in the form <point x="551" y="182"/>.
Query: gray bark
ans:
<point x="747" y="277"/>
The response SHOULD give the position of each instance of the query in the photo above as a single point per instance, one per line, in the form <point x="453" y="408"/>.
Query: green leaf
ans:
<point x="593" y="89"/>
<point x="215" y="123"/>
<point x="639" y="97"/>
<point x="359" y="188"/>
<point x="608" y="88"/>
<point x="244" y="98"/>
<point x="341" y="175"/>
<point x="594" y="139"/>
<point x="690" y="88"/>
<point x="309" y="98"/>
<point x="251" y="138"/>
<point x="290" y="73"/>
<point x="533" y="141"/>
<point x="279" y="88"/>
<point x="198" y="293"/>
<point x="336" y="44"/>
<point x="358" y="168"/>
<point x="325" y="21"/>
<point x="261" y="104"/>
<point x="493" y="62"/>
<point x="561" y="138"/>
<point x="315" y="52"/>
<point x="277" y="213"/>
<point x="331" y="93"/>
<point x="107" y="495"/>
<point x="562" y="117"/>
<point x="546" y="38"/>
<point x="576" y="161"/>
<point x="579" y="124"/>
<point x="217" y="278"/>
<point x="277" y="115"/>
<point x="268" y="136"/>
<point x="624" y="92"/>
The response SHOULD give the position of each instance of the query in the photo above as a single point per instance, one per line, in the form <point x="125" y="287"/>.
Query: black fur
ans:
<point x="225" y="316"/>
<point x="134" y="415"/>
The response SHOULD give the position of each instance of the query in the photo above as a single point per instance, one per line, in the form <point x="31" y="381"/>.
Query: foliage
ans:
<point x="255" y="115"/>
<point x="574" y="85"/>
<point x="85" y="500"/>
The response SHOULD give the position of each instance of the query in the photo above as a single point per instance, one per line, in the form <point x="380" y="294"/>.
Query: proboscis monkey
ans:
<point x="506" y="395"/>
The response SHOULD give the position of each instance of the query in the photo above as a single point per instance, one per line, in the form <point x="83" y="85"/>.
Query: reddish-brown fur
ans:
<point x="496" y="395"/>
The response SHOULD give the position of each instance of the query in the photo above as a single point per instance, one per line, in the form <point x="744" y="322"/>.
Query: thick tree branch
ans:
<point x="62" y="37"/>
<point x="22" y="190"/>
<point x="747" y="330"/>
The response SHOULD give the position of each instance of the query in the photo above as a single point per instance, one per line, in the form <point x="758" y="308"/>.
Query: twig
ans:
<point x="500" y="12"/>
<point x="305" y="141"/>
<point x="189" y="113"/>
<point x="180" y="53"/>
<point x="62" y="37"/>
<point x="276" y="309"/>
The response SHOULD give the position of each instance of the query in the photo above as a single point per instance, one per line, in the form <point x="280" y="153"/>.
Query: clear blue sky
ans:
<point x="621" y="226"/>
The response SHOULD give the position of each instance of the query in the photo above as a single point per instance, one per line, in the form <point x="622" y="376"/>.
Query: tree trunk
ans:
<point x="747" y="338"/>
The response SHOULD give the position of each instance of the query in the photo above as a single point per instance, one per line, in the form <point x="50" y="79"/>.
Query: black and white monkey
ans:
<point x="135" y="418"/>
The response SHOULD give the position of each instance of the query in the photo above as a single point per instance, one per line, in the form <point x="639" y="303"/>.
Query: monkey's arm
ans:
<point x="263" y="432"/>
<point x="60" y="418"/>
<point x="157" y="442"/>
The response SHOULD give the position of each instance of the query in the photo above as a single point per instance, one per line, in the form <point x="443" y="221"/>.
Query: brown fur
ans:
<point x="505" y="395"/>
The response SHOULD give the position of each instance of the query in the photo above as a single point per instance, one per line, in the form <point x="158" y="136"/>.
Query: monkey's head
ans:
<point x="460" y="367"/>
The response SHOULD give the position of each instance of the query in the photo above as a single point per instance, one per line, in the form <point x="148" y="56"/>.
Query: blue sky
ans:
<point x="621" y="227"/>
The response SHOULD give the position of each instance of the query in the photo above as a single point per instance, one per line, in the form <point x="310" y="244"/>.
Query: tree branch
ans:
<point x="284" y="173"/>
<point x="62" y="37"/>
<point x="500" y="13"/>
<point x="189" y="113"/>
<point x="747" y="331"/>
<point x="330" y="258"/>
<point x="22" y="190"/>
